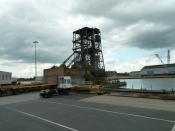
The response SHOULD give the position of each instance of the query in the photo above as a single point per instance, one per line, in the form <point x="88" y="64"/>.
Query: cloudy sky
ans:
<point x="132" y="32"/>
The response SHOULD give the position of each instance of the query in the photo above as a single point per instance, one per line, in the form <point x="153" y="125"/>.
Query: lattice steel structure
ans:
<point x="88" y="50"/>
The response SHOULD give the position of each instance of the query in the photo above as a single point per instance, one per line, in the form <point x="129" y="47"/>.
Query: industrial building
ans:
<point x="163" y="69"/>
<point x="85" y="63"/>
<point x="111" y="75"/>
<point x="51" y="75"/>
<point x="134" y="73"/>
<point x="5" y="77"/>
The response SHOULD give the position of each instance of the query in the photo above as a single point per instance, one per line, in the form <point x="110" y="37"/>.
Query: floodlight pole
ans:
<point x="35" y="43"/>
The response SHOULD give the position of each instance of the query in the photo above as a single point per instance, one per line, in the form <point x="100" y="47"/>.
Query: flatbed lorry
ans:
<point x="62" y="88"/>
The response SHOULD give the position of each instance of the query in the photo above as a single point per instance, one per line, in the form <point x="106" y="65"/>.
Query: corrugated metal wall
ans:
<point x="158" y="71"/>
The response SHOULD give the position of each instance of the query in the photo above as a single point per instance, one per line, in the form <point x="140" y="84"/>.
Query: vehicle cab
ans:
<point x="64" y="82"/>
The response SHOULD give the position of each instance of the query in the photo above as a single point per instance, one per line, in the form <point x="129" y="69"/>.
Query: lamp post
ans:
<point x="35" y="43"/>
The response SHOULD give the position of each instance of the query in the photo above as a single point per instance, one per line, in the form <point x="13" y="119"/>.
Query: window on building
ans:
<point x="68" y="81"/>
<point x="2" y="76"/>
<point x="6" y="76"/>
<point x="61" y="80"/>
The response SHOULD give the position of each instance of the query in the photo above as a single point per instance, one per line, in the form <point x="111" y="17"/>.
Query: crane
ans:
<point x="168" y="57"/>
<point x="157" y="55"/>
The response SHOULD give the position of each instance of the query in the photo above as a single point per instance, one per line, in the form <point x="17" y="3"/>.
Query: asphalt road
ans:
<point x="68" y="113"/>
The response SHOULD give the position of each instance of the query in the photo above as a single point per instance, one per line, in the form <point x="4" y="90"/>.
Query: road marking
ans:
<point x="40" y="118"/>
<point x="173" y="129"/>
<point x="108" y="111"/>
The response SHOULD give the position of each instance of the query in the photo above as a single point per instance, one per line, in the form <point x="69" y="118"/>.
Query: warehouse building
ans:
<point x="164" y="69"/>
<point x="134" y="73"/>
<point x="5" y="77"/>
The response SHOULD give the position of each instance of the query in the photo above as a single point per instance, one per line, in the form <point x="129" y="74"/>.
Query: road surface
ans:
<point x="73" y="113"/>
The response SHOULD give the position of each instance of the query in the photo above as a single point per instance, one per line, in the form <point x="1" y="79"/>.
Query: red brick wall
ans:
<point x="51" y="75"/>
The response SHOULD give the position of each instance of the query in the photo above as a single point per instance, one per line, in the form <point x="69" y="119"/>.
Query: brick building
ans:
<point x="51" y="75"/>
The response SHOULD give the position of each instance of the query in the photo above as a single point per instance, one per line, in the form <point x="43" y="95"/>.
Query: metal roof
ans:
<point x="159" y="66"/>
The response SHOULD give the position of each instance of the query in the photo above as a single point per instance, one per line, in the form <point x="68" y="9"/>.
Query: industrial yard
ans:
<point x="80" y="95"/>
<point x="83" y="72"/>
<point x="87" y="65"/>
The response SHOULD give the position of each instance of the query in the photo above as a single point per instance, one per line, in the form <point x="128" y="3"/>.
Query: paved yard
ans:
<point x="77" y="112"/>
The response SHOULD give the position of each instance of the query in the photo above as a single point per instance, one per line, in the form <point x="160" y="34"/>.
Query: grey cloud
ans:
<point x="23" y="24"/>
<point x="127" y="13"/>
<point x="154" y="39"/>
<point x="122" y="11"/>
<point x="26" y="21"/>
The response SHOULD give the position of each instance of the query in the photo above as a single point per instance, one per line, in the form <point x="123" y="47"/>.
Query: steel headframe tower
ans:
<point x="87" y="50"/>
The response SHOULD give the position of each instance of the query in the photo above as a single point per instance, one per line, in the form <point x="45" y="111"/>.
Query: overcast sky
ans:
<point x="132" y="32"/>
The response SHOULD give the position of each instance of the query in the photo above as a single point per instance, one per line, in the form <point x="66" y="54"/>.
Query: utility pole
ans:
<point x="35" y="43"/>
<point x="168" y="57"/>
